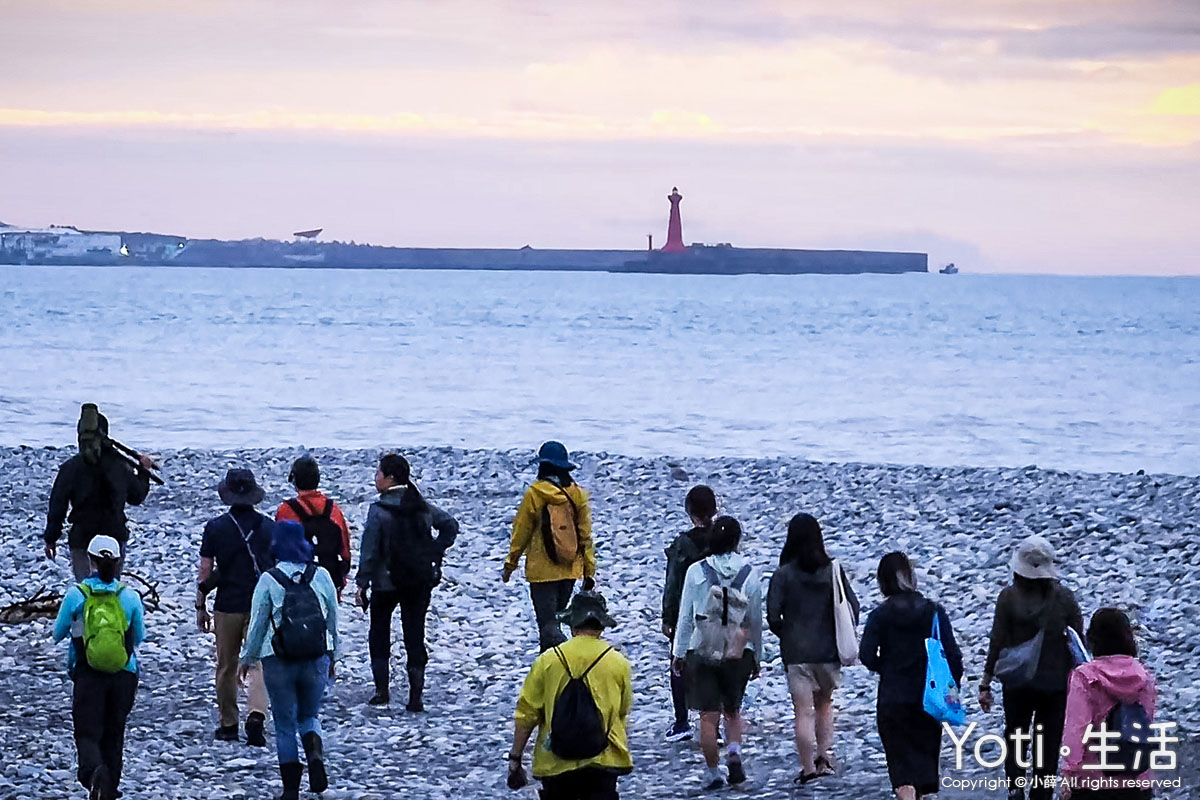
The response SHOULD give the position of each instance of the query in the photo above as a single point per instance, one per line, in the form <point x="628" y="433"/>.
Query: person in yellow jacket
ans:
<point x="558" y="555"/>
<point x="606" y="674"/>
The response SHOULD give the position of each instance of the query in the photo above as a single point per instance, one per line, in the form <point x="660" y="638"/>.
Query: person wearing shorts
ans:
<point x="715" y="688"/>
<point x="800" y="611"/>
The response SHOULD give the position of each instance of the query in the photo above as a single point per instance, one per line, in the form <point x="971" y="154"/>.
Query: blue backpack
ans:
<point x="942" y="700"/>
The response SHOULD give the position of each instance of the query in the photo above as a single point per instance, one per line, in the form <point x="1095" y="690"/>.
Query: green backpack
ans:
<point x="104" y="628"/>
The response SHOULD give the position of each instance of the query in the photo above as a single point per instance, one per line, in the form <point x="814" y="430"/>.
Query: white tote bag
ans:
<point x="843" y="618"/>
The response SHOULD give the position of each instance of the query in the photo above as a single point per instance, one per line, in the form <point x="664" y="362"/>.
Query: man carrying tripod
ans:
<point x="95" y="485"/>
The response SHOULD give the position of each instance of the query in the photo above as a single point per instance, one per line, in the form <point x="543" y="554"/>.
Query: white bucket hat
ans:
<point x="1034" y="559"/>
<point x="104" y="547"/>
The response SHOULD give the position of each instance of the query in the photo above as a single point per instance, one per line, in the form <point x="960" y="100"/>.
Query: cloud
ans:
<point x="883" y="105"/>
<point x="1178" y="100"/>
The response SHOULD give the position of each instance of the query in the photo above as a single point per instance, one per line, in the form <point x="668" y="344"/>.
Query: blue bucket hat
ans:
<point x="555" y="454"/>
<point x="288" y="543"/>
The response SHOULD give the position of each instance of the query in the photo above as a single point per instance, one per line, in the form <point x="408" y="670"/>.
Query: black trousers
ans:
<point x="1024" y="709"/>
<point x="414" y="605"/>
<point x="99" y="708"/>
<point x="679" y="694"/>
<point x="589" y="783"/>
<point x="549" y="598"/>
<point x="912" y="742"/>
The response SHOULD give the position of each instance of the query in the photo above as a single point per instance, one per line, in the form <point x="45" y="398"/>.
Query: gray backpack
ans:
<point x="720" y="620"/>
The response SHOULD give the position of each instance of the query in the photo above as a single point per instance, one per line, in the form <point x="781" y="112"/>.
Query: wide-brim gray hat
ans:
<point x="238" y="488"/>
<point x="1034" y="559"/>
<point x="585" y="606"/>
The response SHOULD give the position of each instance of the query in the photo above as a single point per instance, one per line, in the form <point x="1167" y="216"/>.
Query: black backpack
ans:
<point x="300" y="634"/>
<point x="1131" y="721"/>
<point x="576" y="729"/>
<point x="410" y="552"/>
<point x="324" y="535"/>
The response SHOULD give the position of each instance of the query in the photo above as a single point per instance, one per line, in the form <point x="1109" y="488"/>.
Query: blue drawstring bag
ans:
<point x="942" y="700"/>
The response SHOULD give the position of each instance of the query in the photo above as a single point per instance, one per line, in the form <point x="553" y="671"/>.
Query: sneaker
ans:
<point x="254" y="730"/>
<point x="736" y="773"/>
<point x="679" y="732"/>
<point x="226" y="733"/>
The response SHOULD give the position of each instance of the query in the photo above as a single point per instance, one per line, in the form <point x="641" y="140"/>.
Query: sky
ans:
<point x="1004" y="135"/>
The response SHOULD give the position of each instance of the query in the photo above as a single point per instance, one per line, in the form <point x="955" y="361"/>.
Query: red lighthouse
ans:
<point x="674" y="225"/>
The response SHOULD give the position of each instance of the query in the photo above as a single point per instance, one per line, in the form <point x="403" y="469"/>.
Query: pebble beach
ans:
<point x="1126" y="540"/>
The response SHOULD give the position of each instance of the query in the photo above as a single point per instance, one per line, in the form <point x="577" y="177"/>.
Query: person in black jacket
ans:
<point x="893" y="645"/>
<point x="399" y="565"/>
<point x="1035" y="602"/>
<point x="800" y="613"/>
<point x="686" y="549"/>
<point x="95" y="488"/>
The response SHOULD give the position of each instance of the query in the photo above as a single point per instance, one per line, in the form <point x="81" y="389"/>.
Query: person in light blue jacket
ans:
<point x="717" y="683"/>
<point x="103" y="663"/>
<point x="295" y="682"/>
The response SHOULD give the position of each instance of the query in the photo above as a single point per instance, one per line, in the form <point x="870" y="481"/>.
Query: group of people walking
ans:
<point x="277" y="584"/>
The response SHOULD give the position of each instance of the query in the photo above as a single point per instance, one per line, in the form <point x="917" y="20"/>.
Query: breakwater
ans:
<point x="137" y="249"/>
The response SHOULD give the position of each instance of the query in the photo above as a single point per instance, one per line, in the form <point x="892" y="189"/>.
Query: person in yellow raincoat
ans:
<point x="553" y="561"/>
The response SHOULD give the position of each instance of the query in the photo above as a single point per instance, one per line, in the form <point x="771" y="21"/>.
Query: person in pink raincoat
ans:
<point x="1093" y="690"/>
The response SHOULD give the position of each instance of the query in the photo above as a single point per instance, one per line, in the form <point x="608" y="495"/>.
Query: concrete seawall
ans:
<point x="335" y="255"/>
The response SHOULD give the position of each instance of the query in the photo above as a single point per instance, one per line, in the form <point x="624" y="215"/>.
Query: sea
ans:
<point x="1097" y="374"/>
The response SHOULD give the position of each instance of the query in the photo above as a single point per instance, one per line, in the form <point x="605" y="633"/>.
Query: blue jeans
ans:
<point x="296" y="689"/>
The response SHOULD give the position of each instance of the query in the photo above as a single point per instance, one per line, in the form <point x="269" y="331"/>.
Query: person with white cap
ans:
<point x="1030" y="654"/>
<point x="103" y="663"/>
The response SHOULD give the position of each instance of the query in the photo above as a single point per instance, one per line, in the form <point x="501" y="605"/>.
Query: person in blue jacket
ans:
<point x="104" y="688"/>
<point x="295" y="684"/>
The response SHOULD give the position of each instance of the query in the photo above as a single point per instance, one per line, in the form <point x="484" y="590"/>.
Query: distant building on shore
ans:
<point x="59" y="244"/>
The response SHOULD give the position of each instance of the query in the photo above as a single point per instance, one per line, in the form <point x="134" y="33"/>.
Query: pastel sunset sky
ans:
<point x="1004" y="135"/>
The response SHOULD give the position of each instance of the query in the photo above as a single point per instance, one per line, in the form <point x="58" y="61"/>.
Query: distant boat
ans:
<point x="949" y="269"/>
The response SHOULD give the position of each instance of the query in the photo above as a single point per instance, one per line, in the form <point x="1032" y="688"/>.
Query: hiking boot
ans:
<point x="679" y="732"/>
<point x="314" y="754"/>
<point x="291" y="773"/>
<point x="226" y="733"/>
<point x="98" y="788"/>
<point x="713" y="785"/>
<point x="736" y="773"/>
<point x="416" y="688"/>
<point x="254" y="730"/>
<point x="379" y="674"/>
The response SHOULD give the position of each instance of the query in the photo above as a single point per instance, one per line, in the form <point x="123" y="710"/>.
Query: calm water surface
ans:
<point x="1100" y="374"/>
